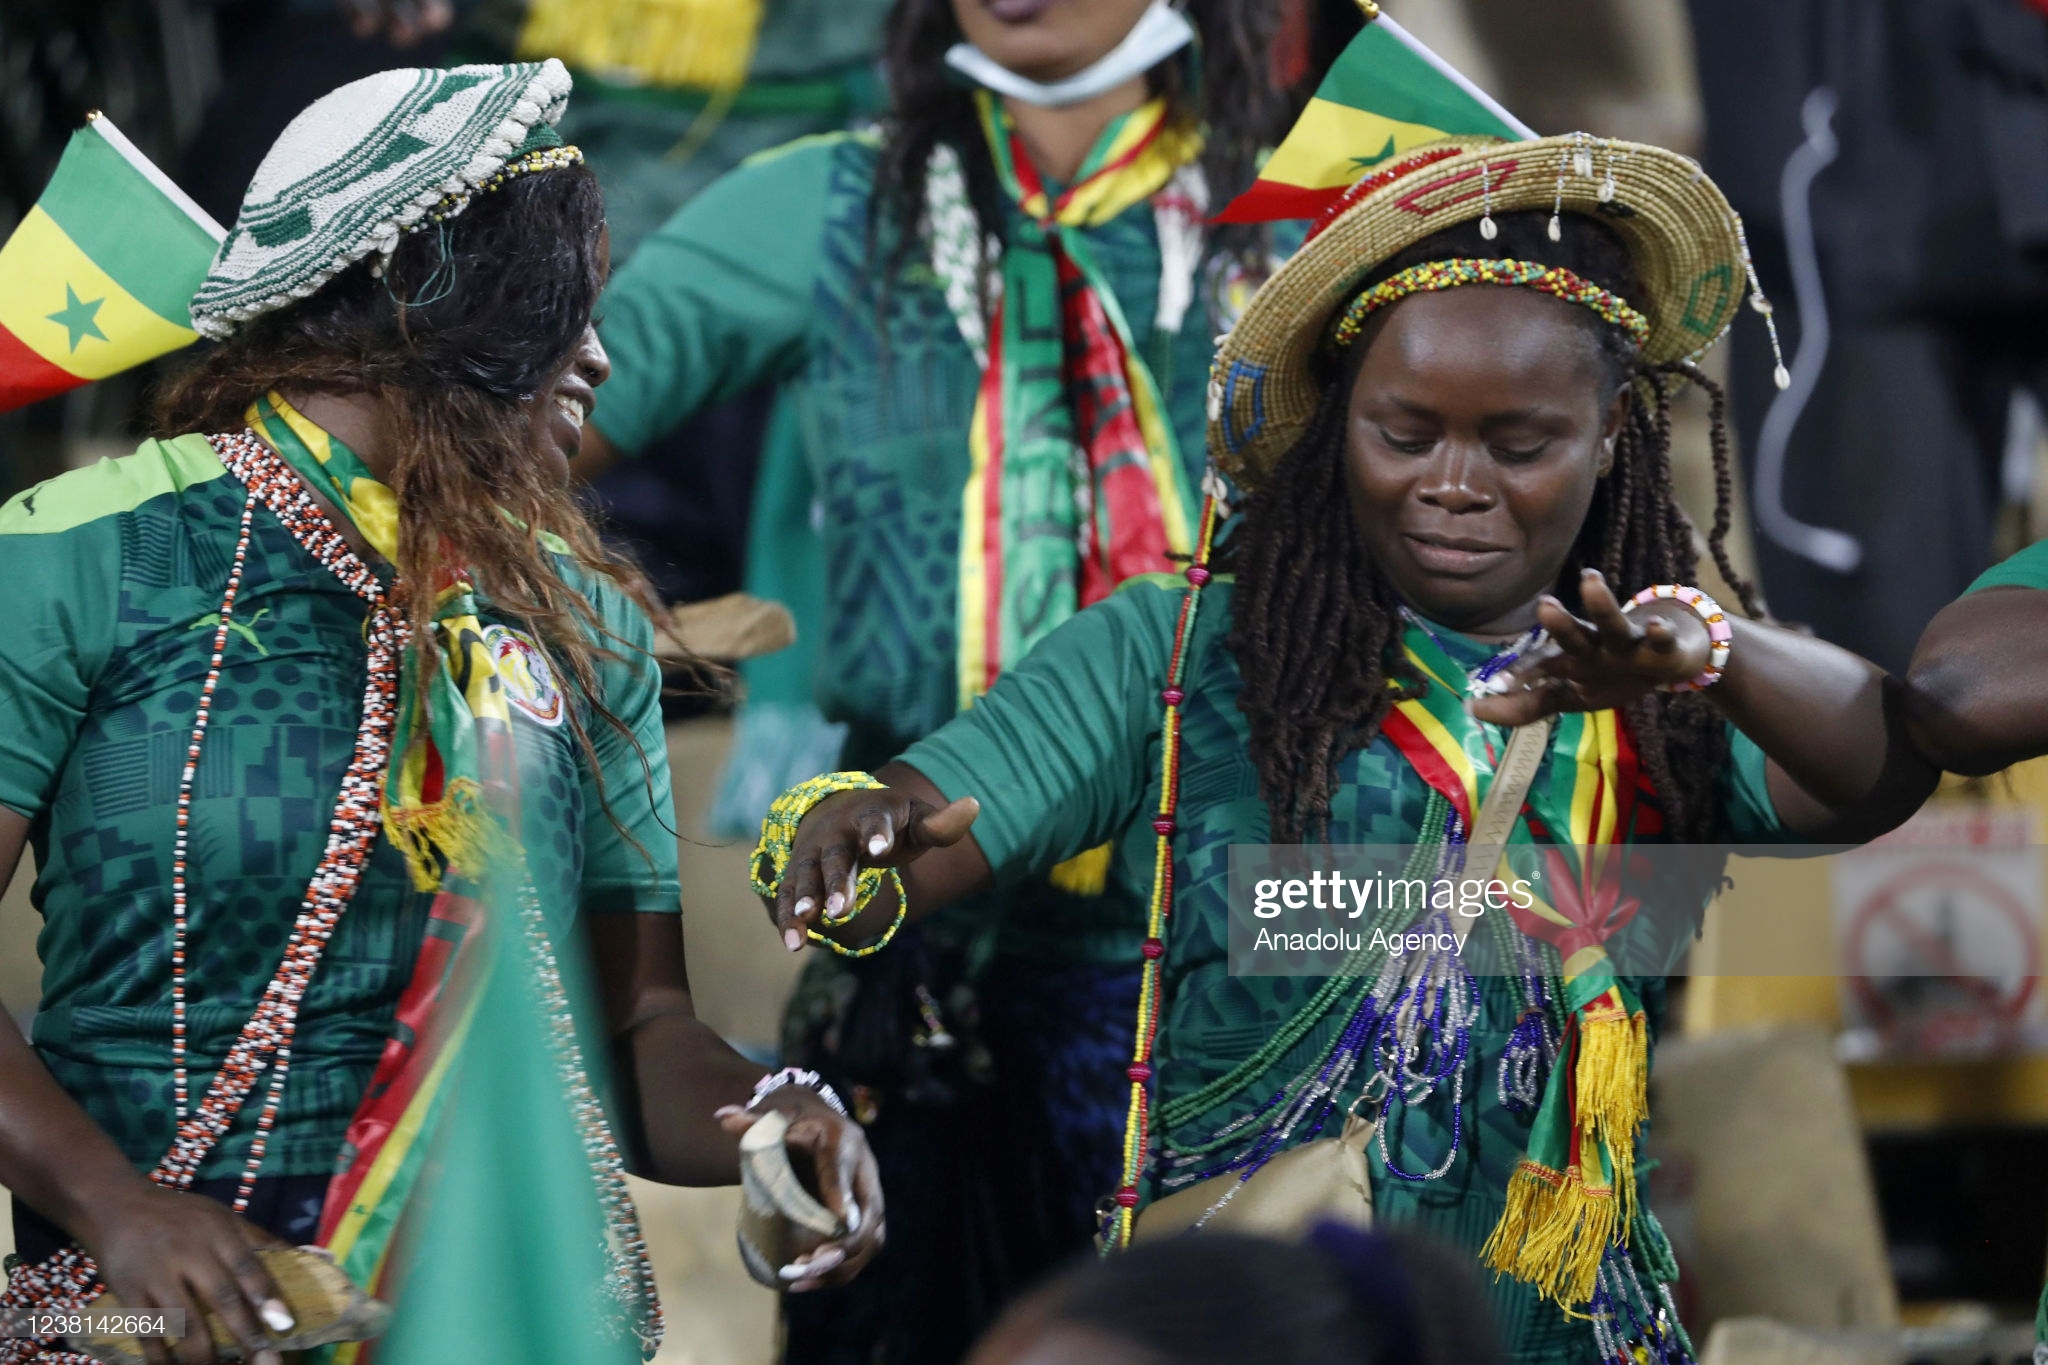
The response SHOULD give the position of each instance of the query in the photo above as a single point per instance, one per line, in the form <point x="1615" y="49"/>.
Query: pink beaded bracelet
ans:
<point x="1719" y="631"/>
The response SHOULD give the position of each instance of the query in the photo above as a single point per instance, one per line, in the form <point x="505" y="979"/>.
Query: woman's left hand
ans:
<point x="847" y="1182"/>
<point x="1610" y="659"/>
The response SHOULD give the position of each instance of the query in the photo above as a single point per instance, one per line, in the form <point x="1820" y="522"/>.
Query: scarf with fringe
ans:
<point x="1573" y="1193"/>
<point x="433" y="806"/>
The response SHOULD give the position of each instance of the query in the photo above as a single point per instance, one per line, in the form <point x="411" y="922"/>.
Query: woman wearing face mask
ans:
<point x="1014" y="267"/>
<point x="283" y="682"/>
<point x="1450" y="415"/>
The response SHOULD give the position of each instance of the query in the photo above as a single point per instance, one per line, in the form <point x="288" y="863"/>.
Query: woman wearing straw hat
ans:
<point x="284" y="685"/>
<point x="1449" y="415"/>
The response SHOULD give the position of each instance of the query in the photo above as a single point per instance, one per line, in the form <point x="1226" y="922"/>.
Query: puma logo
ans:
<point x="245" y="629"/>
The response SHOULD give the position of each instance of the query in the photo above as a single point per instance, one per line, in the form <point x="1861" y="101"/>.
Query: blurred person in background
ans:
<point x="990" y="323"/>
<point x="1368" y="1298"/>
<point x="1890" y="158"/>
<point x="1978" y="703"/>
<point x="1449" y="414"/>
<point x="244" y="738"/>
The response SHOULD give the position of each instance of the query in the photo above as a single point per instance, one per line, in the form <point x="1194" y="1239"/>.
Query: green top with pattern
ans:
<point x="1064" y="753"/>
<point x="764" y="277"/>
<point x="115" y="574"/>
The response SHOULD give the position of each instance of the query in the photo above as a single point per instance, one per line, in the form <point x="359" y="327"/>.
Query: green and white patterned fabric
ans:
<point x="362" y="166"/>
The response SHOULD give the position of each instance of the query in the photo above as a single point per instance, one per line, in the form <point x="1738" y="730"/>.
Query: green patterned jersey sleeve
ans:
<point x="63" y="581"/>
<point x="629" y="853"/>
<point x="720" y="298"/>
<point x="1060" y="750"/>
<point x="2027" y="569"/>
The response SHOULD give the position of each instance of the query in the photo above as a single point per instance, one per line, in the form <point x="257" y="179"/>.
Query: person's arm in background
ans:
<point x="683" y="1087"/>
<point x="717" y="301"/>
<point x="1977" y="690"/>
<point x="689" y="1087"/>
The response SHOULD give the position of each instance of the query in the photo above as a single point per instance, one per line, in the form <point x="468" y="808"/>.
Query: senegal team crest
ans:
<point x="529" y="682"/>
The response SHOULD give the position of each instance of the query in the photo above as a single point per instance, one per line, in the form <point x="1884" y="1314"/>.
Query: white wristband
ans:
<point x="790" y="1075"/>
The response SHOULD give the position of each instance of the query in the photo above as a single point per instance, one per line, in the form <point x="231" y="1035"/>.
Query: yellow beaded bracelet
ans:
<point x="778" y="839"/>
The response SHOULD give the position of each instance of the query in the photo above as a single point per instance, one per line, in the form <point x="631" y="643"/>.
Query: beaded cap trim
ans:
<point x="1432" y="276"/>
<point x="539" y="159"/>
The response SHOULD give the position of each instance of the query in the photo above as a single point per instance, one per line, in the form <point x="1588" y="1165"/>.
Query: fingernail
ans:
<point x="725" y="1111"/>
<point x="819" y="1263"/>
<point x="792" y="939"/>
<point x="833" y="903"/>
<point x="852" y="1216"/>
<point x="804" y="906"/>
<point x="878" y="845"/>
<point x="276" y="1316"/>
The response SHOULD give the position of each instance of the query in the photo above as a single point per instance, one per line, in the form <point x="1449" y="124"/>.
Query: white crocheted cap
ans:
<point x="360" y="166"/>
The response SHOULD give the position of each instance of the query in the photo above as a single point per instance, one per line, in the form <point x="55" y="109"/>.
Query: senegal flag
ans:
<point x="99" y="276"/>
<point x="1385" y="94"/>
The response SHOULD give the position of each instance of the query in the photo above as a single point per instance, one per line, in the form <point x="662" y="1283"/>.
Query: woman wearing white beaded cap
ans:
<point x="286" y="682"/>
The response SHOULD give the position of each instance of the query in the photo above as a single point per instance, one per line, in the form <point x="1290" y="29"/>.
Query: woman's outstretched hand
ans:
<point x="1609" y="659"/>
<point x="848" y="831"/>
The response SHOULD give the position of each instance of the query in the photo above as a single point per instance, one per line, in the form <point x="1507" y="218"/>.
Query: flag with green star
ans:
<point x="1385" y="95"/>
<point x="100" y="274"/>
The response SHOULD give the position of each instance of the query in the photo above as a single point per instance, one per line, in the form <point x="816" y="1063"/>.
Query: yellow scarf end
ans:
<point x="455" y="831"/>
<point x="1084" y="874"/>
<point x="1612" y="1078"/>
<point x="1553" y="1233"/>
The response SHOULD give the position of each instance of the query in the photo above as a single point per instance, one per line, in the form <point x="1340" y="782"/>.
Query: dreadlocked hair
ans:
<point x="459" y="372"/>
<point x="1233" y="99"/>
<point x="1317" y="628"/>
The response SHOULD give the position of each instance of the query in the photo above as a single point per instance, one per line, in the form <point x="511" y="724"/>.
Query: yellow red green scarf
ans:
<point x="1076" y="482"/>
<point x="445" y="745"/>
<point x="1573" y="1192"/>
<point x="433" y="807"/>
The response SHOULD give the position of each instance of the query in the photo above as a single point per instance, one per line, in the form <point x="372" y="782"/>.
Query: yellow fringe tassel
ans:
<point x="1557" y="1226"/>
<point x="700" y="44"/>
<point x="1613" y="1093"/>
<point x="1553" y="1233"/>
<point x="456" y="830"/>
<point x="1084" y="874"/>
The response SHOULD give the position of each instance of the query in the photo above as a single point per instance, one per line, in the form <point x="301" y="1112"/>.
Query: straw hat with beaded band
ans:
<point x="1685" y="240"/>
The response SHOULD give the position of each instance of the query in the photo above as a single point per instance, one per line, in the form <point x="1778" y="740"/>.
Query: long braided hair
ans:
<point x="1317" y="628"/>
